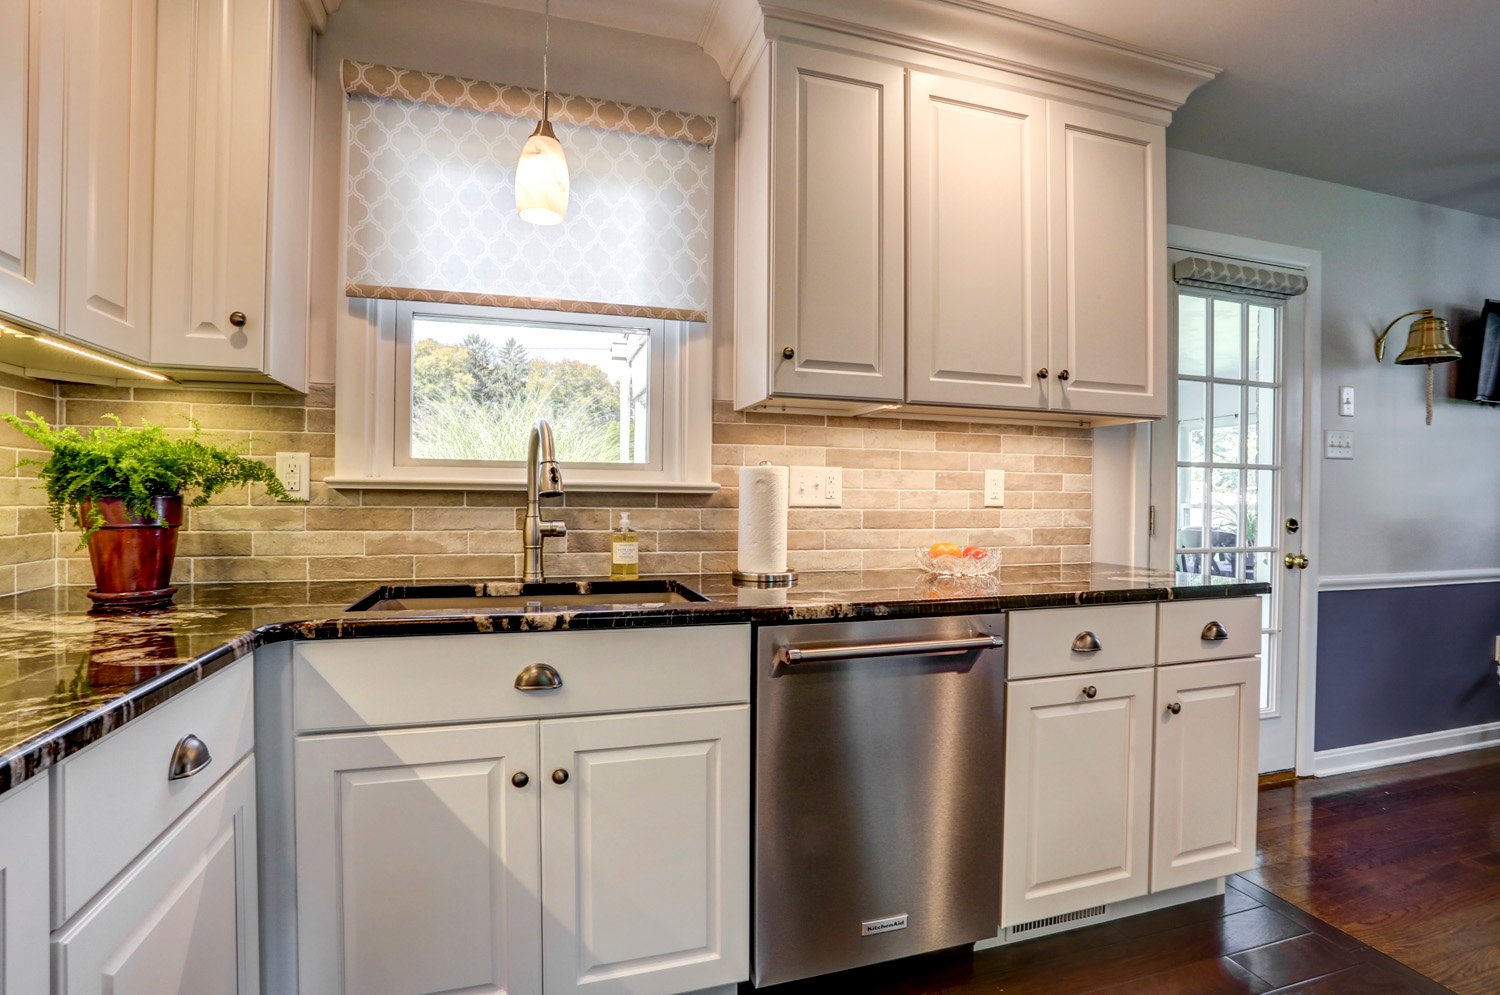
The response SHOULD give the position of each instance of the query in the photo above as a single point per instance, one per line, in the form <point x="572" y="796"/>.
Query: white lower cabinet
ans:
<point x="24" y="852"/>
<point x="603" y="854"/>
<point x="1077" y="793"/>
<point x="1206" y="759"/>
<point x="181" y="919"/>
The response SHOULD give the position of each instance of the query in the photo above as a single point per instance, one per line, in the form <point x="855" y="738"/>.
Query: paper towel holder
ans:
<point x="785" y="578"/>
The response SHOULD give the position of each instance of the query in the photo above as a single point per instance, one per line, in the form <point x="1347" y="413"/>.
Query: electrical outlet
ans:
<point x="1338" y="445"/>
<point x="292" y="470"/>
<point x="994" y="488"/>
<point x="1346" y="402"/>
<point x="816" y="486"/>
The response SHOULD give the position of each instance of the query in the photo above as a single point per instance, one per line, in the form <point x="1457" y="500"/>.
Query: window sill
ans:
<point x="491" y="484"/>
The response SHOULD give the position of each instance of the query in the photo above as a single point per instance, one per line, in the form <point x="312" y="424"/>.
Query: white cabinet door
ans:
<point x="1108" y="244"/>
<point x="24" y="892"/>
<point x="646" y="851"/>
<point x="31" y="123"/>
<point x="1206" y="752"/>
<point x="108" y="152"/>
<point x="1077" y="793"/>
<point x="182" y="919"/>
<point x="838" y="243"/>
<point x="417" y="861"/>
<point x="213" y="135"/>
<point x="977" y="322"/>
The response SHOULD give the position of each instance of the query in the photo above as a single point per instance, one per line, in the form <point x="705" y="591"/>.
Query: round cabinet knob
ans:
<point x="1175" y="707"/>
<point x="559" y="776"/>
<point x="237" y="319"/>
<point x="1042" y="373"/>
<point x="1064" y="375"/>
<point x="788" y="353"/>
<point x="519" y="779"/>
<point x="1090" y="691"/>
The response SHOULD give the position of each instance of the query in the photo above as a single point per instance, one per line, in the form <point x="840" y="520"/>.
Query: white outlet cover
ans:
<point x="994" y="488"/>
<point x="815" y="486"/>
<point x="293" y="469"/>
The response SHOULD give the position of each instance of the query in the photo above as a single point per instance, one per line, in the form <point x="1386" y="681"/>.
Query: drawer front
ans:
<point x="116" y="796"/>
<point x="426" y="680"/>
<point x="1042" y="641"/>
<point x="1212" y="629"/>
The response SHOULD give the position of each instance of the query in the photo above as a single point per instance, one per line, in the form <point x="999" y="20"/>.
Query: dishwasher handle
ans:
<point x="788" y="655"/>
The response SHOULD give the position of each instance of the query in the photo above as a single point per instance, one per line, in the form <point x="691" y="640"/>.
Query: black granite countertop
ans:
<point x="68" y="678"/>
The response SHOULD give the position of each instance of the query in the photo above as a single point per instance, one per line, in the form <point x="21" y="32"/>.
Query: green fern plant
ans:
<point x="134" y="465"/>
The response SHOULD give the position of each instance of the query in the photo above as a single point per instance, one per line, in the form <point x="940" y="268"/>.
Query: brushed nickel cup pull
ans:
<point x="519" y="779"/>
<point x="1086" y="642"/>
<point x="1090" y="691"/>
<point x="1213" y="632"/>
<point x="559" y="776"/>
<point x="237" y="319"/>
<point x="538" y="677"/>
<point x="188" y="758"/>
<point x="1175" y="707"/>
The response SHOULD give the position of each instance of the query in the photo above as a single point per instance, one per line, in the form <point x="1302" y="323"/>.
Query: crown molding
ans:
<point x="318" y="11"/>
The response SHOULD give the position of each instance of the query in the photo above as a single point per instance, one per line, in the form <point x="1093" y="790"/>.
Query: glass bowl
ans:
<point x="959" y="566"/>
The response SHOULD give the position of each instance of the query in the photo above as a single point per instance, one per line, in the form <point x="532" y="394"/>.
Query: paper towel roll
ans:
<point x="763" y="501"/>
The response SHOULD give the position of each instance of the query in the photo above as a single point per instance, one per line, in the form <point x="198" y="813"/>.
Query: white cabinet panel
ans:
<point x="645" y="851"/>
<point x="838" y="225"/>
<point x="1108" y="316"/>
<point x="31" y="123"/>
<point x="111" y="70"/>
<point x="24" y="967"/>
<point x="976" y="328"/>
<point x="183" y="918"/>
<point x="213" y="124"/>
<point x="1049" y="642"/>
<point x="1077" y="793"/>
<point x="417" y="867"/>
<point x="1206" y="756"/>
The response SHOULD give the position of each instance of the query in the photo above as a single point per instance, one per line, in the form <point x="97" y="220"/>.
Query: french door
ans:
<point x="1227" y="474"/>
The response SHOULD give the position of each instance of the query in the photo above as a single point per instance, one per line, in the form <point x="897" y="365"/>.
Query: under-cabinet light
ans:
<point x="97" y="357"/>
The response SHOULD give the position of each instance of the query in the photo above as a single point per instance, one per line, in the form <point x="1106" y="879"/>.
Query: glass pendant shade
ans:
<point x="542" y="178"/>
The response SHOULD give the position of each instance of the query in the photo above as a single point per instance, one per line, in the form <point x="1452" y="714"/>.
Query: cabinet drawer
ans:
<point x="1212" y="629"/>
<point x="427" y="680"/>
<point x="1041" y="641"/>
<point x="116" y="797"/>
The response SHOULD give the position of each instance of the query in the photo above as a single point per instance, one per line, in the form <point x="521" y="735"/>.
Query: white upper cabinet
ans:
<point x="1108" y="263"/>
<point x="108" y="161"/>
<point x="838" y="225"/>
<point x="31" y="177"/>
<point x="233" y="140"/>
<point x="976" y="325"/>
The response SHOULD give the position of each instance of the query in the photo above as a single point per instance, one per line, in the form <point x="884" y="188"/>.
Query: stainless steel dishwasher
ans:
<point x="878" y="767"/>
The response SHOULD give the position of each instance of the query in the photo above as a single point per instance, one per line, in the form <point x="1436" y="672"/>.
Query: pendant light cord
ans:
<point x="546" y="53"/>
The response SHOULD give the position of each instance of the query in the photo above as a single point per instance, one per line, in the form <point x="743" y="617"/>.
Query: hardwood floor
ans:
<point x="1406" y="859"/>
<point x="1384" y="882"/>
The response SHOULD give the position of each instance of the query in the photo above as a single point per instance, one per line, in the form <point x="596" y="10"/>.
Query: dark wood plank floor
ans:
<point x="1406" y="859"/>
<point x="1384" y="882"/>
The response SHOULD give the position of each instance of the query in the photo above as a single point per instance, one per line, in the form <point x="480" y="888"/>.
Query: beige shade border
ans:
<point x="1220" y="274"/>
<point x="375" y="292"/>
<point x="372" y="80"/>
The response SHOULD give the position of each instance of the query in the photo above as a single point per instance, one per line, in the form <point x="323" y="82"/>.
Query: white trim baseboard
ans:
<point x="1415" y="578"/>
<point x="1399" y="751"/>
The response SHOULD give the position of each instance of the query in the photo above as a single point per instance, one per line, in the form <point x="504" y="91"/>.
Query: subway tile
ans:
<point x="471" y="567"/>
<point x="383" y="543"/>
<point x="358" y="567"/>
<point x="749" y="435"/>
<point x="369" y="519"/>
<point x="242" y="568"/>
<point x="279" y="518"/>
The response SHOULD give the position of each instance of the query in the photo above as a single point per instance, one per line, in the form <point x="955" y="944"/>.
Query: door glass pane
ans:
<point x="1192" y="422"/>
<point x="1260" y="508"/>
<point x="1192" y="335"/>
<point x="1262" y="352"/>
<point x="1260" y="424"/>
<point x="1224" y="508"/>
<point x="1227" y="424"/>
<point x="1228" y="330"/>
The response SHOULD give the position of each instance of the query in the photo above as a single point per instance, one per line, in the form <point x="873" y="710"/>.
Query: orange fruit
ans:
<point x="974" y="553"/>
<point x="945" y="549"/>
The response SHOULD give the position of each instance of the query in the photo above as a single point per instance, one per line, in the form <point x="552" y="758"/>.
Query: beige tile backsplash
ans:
<point x="907" y="484"/>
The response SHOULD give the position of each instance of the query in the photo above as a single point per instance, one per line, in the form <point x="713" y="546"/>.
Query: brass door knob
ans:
<point x="1296" y="561"/>
<point x="1090" y="691"/>
<point x="1064" y="375"/>
<point x="1042" y="373"/>
<point x="559" y="776"/>
<point x="1175" y="707"/>
<point x="237" y="319"/>
<point x="519" y="779"/>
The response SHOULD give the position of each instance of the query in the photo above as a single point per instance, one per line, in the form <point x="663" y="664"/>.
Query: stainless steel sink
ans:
<point x="488" y="597"/>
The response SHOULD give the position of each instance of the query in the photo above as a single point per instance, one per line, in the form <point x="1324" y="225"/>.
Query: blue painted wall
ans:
<point x="1403" y="661"/>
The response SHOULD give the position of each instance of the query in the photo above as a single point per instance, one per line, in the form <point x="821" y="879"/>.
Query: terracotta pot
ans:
<point x="132" y="555"/>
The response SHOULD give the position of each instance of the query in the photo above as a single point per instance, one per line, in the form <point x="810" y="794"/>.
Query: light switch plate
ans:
<point x="292" y="470"/>
<point x="816" y="486"/>
<point x="1346" y="402"/>
<point x="1338" y="445"/>
<point x="994" y="488"/>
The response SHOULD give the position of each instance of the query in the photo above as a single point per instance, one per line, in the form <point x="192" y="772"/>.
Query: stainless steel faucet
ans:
<point x="543" y="479"/>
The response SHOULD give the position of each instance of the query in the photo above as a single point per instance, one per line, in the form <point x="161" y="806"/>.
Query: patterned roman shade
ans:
<point x="1221" y="274"/>
<point x="430" y="184"/>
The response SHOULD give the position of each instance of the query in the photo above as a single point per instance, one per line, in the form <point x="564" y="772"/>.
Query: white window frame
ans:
<point x="370" y="362"/>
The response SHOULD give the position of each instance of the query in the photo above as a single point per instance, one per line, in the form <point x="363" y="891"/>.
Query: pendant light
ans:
<point x="542" y="173"/>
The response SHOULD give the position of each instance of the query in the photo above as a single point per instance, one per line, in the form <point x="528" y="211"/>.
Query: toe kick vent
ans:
<point x="1066" y="918"/>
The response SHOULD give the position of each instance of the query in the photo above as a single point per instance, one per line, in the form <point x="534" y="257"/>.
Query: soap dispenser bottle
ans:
<point x="624" y="551"/>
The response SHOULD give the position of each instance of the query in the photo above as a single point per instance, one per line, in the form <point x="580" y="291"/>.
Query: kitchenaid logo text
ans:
<point x="882" y="925"/>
